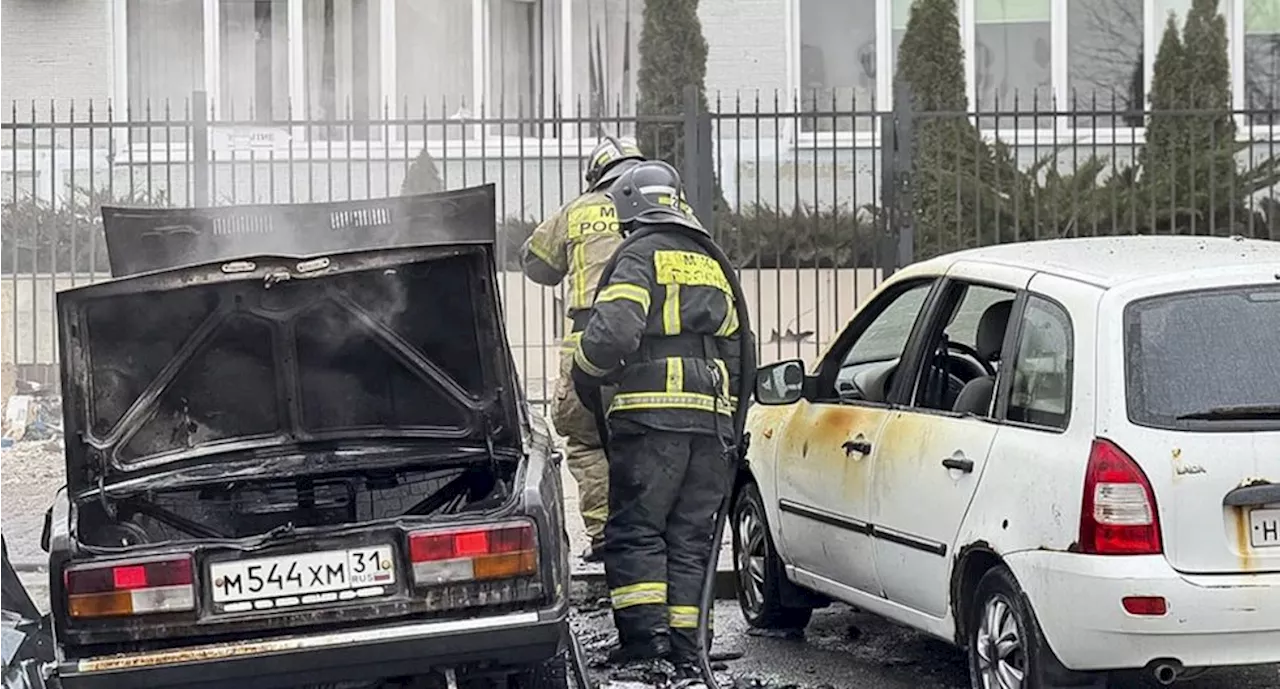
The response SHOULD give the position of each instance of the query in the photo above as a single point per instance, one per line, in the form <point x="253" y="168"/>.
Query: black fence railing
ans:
<point x="815" y="201"/>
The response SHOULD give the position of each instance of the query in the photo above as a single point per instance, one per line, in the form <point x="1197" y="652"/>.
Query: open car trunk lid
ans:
<point x="1202" y="400"/>
<point x="246" y="329"/>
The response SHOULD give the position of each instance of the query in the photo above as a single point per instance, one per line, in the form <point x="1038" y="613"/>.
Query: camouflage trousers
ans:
<point x="584" y="452"/>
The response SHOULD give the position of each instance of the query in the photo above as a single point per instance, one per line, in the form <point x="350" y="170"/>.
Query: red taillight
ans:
<point x="1119" y="515"/>
<point x="130" y="588"/>
<point x="1147" y="606"/>
<point x="498" y="551"/>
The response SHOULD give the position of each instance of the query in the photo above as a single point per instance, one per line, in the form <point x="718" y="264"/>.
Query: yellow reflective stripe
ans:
<point x="671" y="311"/>
<point x="585" y="364"/>
<point x="672" y="267"/>
<point x="730" y="324"/>
<point x="571" y="341"/>
<point x="675" y="374"/>
<point x="544" y="253"/>
<point x="644" y="593"/>
<point x="599" y="513"/>
<point x="694" y="401"/>
<point x="625" y="290"/>
<point x="579" y="297"/>
<point x="724" y="378"/>
<point x="682" y="616"/>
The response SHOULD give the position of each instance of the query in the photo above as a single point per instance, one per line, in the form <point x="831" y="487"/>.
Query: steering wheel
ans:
<point x="972" y="353"/>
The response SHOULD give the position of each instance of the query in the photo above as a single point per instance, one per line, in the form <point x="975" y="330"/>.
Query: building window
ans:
<point x="837" y="63"/>
<point x="606" y="59"/>
<point x="254" y="57"/>
<point x="435" y="75"/>
<point x="1104" y="62"/>
<point x="1262" y="61"/>
<point x="341" y="68"/>
<point x="165" y="55"/>
<point x="515" y="64"/>
<point x="1012" y="56"/>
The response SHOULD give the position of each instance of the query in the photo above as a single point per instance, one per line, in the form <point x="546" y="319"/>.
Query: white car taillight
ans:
<point x="134" y="587"/>
<point x="474" y="553"/>
<point x="1118" y="516"/>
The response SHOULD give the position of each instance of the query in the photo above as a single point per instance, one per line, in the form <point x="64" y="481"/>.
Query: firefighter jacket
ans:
<point x="664" y="330"/>
<point x="575" y="242"/>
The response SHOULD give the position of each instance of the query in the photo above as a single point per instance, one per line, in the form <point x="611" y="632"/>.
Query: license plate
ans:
<point x="1264" y="528"/>
<point x="302" y="579"/>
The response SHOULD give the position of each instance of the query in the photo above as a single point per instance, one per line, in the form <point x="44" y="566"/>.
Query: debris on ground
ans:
<point x="784" y="634"/>
<point x="33" y="414"/>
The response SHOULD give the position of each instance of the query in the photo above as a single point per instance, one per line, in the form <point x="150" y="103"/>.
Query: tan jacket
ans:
<point x="577" y="242"/>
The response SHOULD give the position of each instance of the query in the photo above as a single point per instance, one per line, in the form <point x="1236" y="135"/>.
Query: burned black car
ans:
<point x="297" y="452"/>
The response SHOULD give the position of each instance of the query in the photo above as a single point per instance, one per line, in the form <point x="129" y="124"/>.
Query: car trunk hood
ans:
<point x="245" y="330"/>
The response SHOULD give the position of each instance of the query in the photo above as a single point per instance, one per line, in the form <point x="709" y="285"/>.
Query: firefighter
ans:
<point x="576" y="243"/>
<point x="663" y="332"/>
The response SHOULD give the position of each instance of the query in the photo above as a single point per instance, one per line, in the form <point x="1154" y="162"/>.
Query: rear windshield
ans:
<point x="1207" y="359"/>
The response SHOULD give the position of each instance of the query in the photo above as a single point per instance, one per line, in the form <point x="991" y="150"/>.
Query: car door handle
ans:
<point x="959" y="464"/>
<point x="859" y="446"/>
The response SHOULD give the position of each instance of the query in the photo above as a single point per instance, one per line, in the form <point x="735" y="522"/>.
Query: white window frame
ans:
<point x="1061" y="132"/>
<point x="494" y="145"/>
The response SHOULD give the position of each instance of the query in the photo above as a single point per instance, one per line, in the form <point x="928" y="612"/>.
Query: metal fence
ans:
<point x="815" y="199"/>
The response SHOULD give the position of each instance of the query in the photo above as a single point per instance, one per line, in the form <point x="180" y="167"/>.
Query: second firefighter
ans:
<point x="663" y="332"/>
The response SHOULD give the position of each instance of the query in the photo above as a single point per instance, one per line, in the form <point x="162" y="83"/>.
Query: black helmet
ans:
<point x="650" y="193"/>
<point x="605" y="162"/>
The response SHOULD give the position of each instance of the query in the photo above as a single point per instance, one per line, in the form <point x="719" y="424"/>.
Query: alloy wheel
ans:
<point x="751" y="554"/>
<point x="1002" y="660"/>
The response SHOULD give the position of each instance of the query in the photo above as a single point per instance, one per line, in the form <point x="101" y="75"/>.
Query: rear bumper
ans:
<point x="1212" y="620"/>
<point x="409" y="648"/>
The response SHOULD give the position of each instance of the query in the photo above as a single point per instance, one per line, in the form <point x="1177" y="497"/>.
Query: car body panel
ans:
<point x="116" y="410"/>
<point x="824" y="490"/>
<point x="908" y="468"/>
<point x="1213" y="620"/>
<point x="145" y="240"/>
<point x="513" y="639"/>
<point x="26" y="642"/>
<point x="1191" y="472"/>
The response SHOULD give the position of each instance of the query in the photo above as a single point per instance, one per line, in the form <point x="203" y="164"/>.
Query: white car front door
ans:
<point x="933" y="448"/>
<point x="825" y="446"/>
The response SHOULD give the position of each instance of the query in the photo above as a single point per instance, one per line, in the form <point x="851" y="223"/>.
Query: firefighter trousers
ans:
<point x="584" y="453"/>
<point x="664" y="490"/>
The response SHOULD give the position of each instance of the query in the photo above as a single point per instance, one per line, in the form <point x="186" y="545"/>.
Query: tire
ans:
<point x="758" y="571"/>
<point x="1005" y="646"/>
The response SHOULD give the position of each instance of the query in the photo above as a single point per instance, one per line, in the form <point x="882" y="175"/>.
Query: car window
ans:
<point x="1205" y="359"/>
<point x="964" y="322"/>
<point x="1040" y="393"/>
<point x="967" y="356"/>
<point x="886" y="337"/>
<point x="868" y="367"/>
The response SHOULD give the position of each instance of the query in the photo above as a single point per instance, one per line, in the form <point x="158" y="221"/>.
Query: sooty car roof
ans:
<point x="1111" y="261"/>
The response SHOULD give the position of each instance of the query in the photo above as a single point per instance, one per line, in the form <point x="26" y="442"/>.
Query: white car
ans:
<point x="1061" y="455"/>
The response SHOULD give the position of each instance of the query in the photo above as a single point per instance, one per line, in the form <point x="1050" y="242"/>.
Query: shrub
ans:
<point x="44" y="237"/>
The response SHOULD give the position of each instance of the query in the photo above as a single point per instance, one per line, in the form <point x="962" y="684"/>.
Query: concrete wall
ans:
<point x="55" y="51"/>
<point x="795" y="313"/>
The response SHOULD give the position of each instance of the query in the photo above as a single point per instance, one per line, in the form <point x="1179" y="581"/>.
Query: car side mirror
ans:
<point x="780" y="383"/>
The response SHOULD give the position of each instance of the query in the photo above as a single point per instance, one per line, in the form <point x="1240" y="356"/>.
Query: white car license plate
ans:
<point x="302" y="579"/>
<point x="1264" y="528"/>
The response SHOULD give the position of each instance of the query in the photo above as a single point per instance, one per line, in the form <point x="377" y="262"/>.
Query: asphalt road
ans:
<point x="846" y="649"/>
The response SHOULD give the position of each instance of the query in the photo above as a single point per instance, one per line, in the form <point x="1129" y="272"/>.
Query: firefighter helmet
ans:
<point x="650" y="193"/>
<point x="608" y="159"/>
